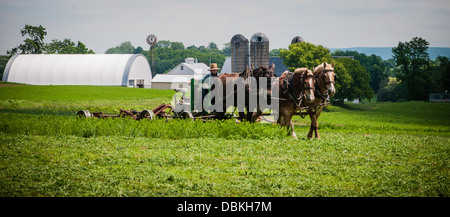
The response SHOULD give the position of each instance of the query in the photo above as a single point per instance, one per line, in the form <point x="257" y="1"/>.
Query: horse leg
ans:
<point x="291" y="124"/>
<point x="312" y="116"/>
<point x="314" y="126"/>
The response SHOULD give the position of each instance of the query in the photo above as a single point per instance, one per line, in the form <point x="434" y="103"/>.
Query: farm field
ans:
<point x="371" y="149"/>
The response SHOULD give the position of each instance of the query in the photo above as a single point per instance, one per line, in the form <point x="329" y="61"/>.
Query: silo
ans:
<point x="239" y="53"/>
<point x="297" y="39"/>
<point x="259" y="50"/>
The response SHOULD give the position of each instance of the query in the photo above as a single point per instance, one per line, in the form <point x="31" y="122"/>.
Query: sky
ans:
<point x="102" y="24"/>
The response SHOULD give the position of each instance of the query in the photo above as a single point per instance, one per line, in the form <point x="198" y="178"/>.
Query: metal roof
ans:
<point x="238" y="38"/>
<point x="77" y="69"/>
<point x="297" y="39"/>
<point x="259" y="37"/>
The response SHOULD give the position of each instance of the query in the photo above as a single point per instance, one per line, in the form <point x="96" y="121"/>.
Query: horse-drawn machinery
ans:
<point x="302" y="92"/>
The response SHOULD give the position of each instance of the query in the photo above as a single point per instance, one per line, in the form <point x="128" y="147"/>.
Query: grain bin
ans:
<point x="239" y="53"/>
<point x="259" y="50"/>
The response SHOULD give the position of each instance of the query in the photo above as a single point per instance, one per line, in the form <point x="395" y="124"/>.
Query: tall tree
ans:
<point x="34" y="42"/>
<point x="414" y="63"/>
<point x="358" y="87"/>
<point x="304" y="55"/>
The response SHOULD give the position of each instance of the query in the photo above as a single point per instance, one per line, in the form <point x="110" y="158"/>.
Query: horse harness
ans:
<point x="287" y="86"/>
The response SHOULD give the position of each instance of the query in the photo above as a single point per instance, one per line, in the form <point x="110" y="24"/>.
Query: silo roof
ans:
<point x="259" y="37"/>
<point x="297" y="39"/>
<point x="239" y="38"/>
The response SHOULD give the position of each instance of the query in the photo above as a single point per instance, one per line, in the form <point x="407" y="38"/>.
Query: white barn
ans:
<point x="181" y="75"/>
<point x="132" y="70"/>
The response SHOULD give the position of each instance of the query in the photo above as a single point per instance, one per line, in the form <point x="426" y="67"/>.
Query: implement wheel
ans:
<point x="84" y="114"/>
<point x="186" y="115"/>
<point x="147" y="114"/>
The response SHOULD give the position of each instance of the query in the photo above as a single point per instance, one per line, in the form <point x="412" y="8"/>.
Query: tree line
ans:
<point x="167" y="54"/>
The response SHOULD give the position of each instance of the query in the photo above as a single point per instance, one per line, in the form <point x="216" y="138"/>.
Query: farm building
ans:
<point x="180" y="75"/>
<point x="130" y="70"/>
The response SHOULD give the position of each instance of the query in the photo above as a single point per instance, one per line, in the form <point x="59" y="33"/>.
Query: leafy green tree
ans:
<point x="177" y="45"/>
<point x="373" y="64"/>
<point x="353" y="81"/>
<point x="226" y="49"/>
<point x="212" y="46"/>
<point x="3" y="61"/>
<point x="168" y="54"/>
<point x="67" y="46"/>
<point x="163" y="43"/>
<point x="34" y="42"/>
<point x="138" y="50"/>
<point x="275" y="52"/>
<point x="441" y="75"/>
<point x="123" y="48"/>
<point x="414" y="65"/>
<point x="304" y="55"/>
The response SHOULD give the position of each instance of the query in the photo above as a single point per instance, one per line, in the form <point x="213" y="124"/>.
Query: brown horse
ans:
<point x="238" y="88"/>
<point x="294" y="89"/>
<point x="325" y="79"/>
<point x="261" y="72"/>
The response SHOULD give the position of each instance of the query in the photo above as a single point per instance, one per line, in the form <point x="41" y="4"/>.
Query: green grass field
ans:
<point x="371" y="149"/>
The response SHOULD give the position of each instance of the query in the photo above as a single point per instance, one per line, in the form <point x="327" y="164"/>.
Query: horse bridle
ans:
<point x="322" y="73"/>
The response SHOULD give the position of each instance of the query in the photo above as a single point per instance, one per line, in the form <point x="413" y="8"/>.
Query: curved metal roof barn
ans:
<point x="79" y="69"/>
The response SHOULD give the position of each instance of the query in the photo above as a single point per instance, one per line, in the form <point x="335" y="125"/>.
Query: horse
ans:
<point x="240" y="79"/>
<point x="260" y="72"/>
<point x="324" y="89"/>
<point x="294" y="89"/>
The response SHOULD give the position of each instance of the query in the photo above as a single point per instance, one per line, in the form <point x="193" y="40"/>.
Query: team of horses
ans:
<point x="303" y="89"/>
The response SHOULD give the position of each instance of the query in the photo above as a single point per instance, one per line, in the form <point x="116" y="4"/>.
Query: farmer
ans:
<point x="208" y="80"/>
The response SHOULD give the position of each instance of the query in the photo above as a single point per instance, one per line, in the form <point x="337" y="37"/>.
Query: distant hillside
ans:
<point x="386" y="52"/>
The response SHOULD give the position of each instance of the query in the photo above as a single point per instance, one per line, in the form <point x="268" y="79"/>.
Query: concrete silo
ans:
<point x="297" y="39"/>
<point x="239" y="53"/>
<point x="259" y="50"/>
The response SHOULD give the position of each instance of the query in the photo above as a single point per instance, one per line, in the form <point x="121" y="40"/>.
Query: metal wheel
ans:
<point x="84" y="114"/>
<point x="186" y="115"/>
<point x="147" y="114"/>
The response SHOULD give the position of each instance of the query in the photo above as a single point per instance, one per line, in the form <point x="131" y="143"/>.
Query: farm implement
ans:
<point x="182" y="104"/>
<point x="182" y="107"/>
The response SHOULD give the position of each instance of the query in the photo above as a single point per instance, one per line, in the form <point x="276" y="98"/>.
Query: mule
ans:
<point x="325" y="80"/>
<point x="294" y="89"/>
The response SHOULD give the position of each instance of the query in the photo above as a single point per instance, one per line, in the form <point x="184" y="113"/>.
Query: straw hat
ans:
<point x="213" y="67"/>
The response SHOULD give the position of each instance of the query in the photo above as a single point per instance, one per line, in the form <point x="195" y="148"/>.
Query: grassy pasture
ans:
<point x="372" y="149"/>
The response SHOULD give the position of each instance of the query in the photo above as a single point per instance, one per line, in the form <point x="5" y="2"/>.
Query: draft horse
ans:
<point x="239" y="79"/>
<point x="295" y="89"/>
<point x="324" y="89"/>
